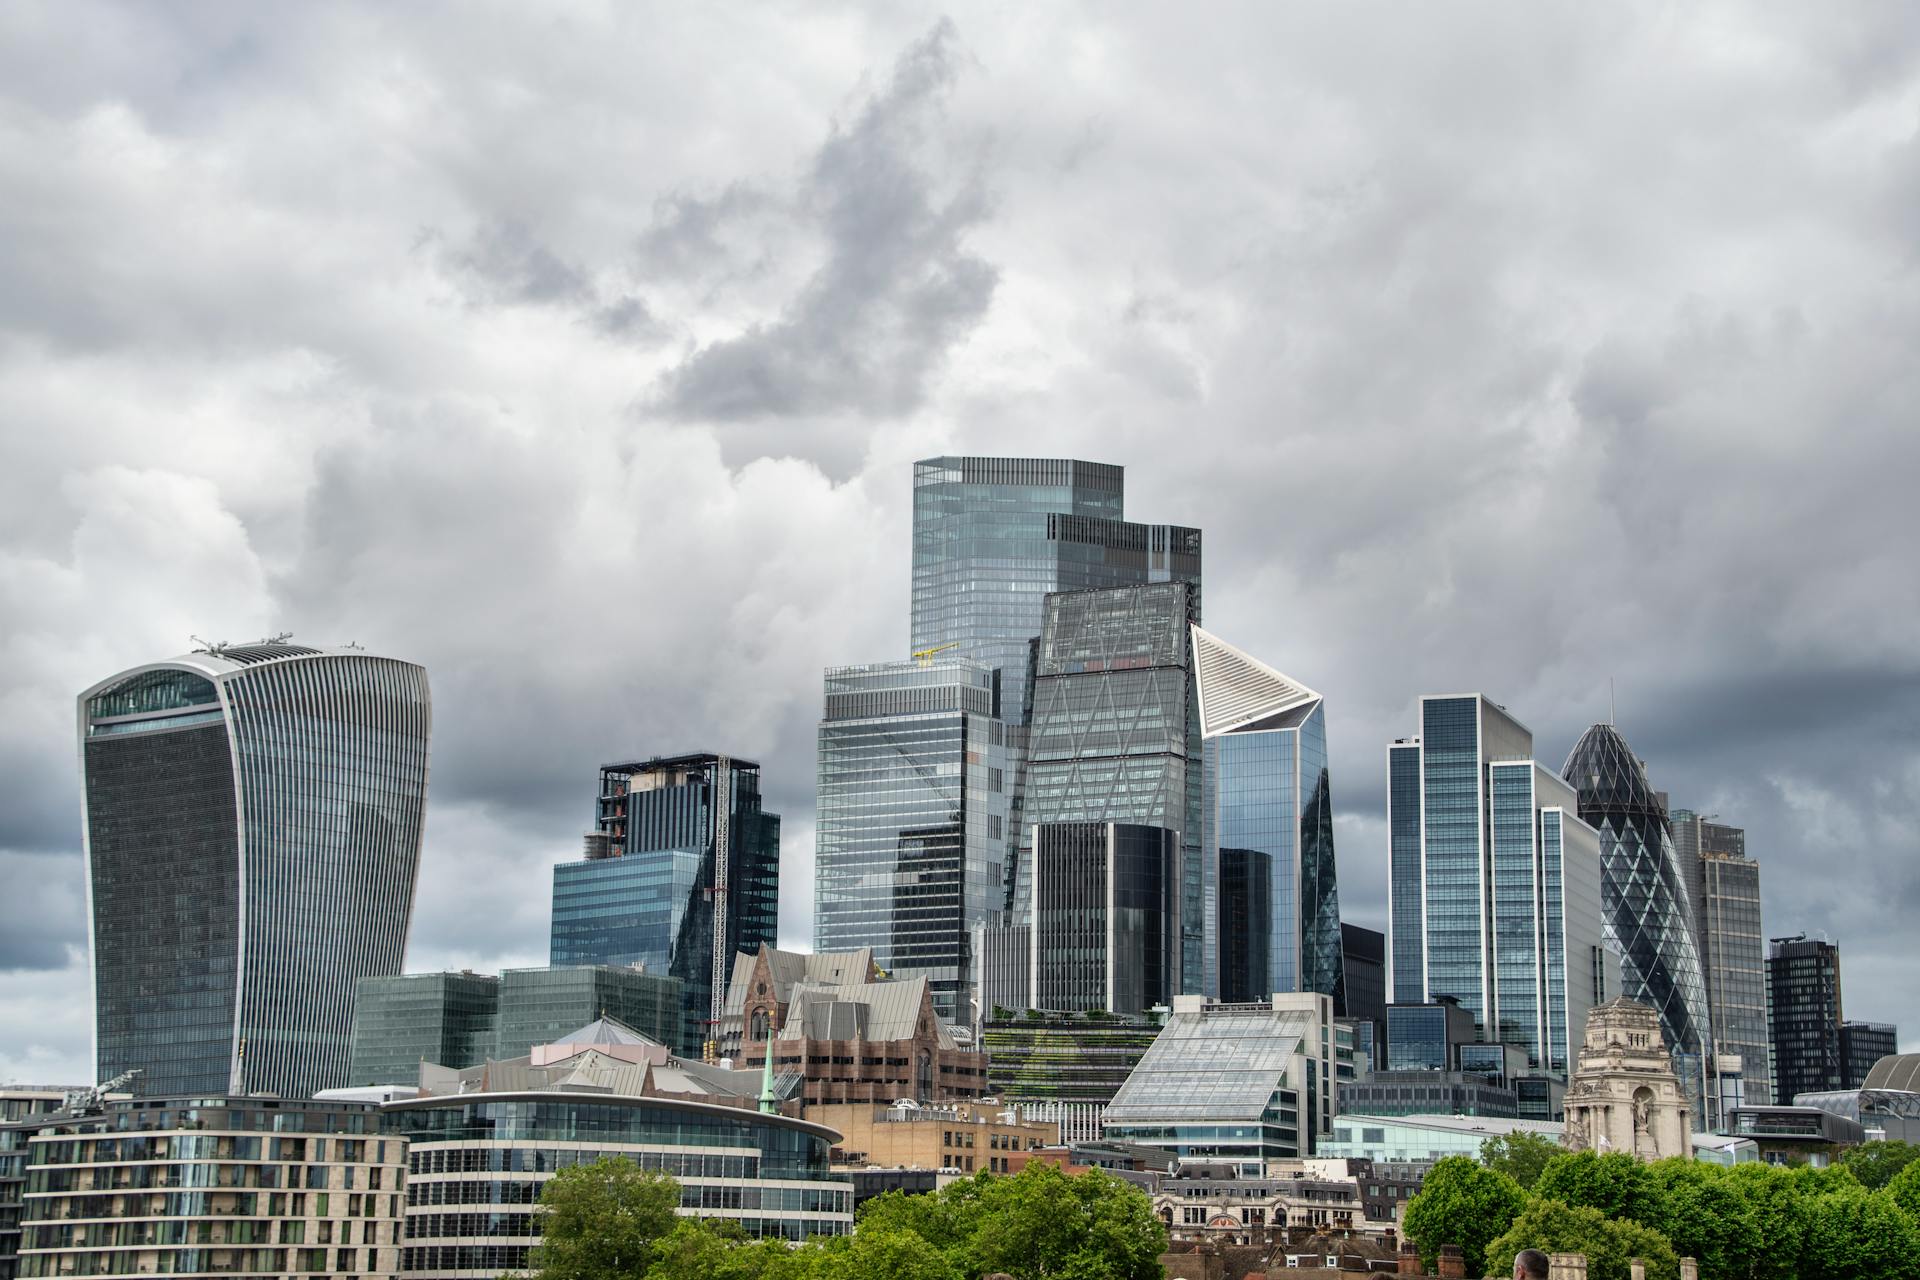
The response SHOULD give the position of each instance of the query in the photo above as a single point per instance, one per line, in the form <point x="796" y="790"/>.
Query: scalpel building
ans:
<point x="252" y="827"/>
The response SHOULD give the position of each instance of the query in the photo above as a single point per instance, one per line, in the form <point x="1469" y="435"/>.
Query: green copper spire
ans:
<point x="768" y="1103"/>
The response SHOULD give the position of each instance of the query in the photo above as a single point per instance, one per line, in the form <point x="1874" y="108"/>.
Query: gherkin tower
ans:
<point x="1648" y="912"/>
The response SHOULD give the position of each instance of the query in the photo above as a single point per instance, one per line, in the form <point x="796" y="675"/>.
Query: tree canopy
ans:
<point x="1519" y="1155"/>
<point x="1609" y="1243"/>
<point x="1876" y="1163"/>
<point x="604" y="1221"/>
<point x="1462" y="1202"/>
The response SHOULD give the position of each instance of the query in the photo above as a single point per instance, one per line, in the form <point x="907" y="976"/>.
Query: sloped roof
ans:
<point x="1236" y="689"/>
<point x="893" y="1008"/>
<point x="1214" y="1064"/>
<point x="791" y="967"/>
<point x="605" y="1030"/>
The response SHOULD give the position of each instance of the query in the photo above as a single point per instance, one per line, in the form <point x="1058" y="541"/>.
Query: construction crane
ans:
<point x="925" y="656"/>
<point x="84" y="1101"/>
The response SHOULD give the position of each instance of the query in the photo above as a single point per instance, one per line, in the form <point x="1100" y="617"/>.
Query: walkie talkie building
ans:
<point x="252" y="824"/>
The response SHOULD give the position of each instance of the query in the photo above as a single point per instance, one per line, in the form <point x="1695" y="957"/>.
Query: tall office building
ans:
<point x="1115" y="737"/>
<point x="992" y="537"/>
<point x="1494" y="893"/>
<point x="1724" y="885"/>
<point x="1803" y="980"/>
<point x="1861" y="1045"/>
<point x="1363" y="976"/>
<point x="1650" y="918"/>
<point x="1103" y="915"/>
<point x="669" y="835"/>
<point x="912" y="834"/>
<point x="252" y="827"/>
<point x="1266" y="828"/>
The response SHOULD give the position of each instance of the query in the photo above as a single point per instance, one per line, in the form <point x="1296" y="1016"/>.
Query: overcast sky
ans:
<point x="581" y="353"/>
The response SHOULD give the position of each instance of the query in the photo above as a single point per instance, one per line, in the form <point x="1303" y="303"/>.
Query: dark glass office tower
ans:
<point x="911" y="836"/>
<point x="1650" y="918"/>
<point x="1861" y="1045"/>
<point x="1103" y="916"/>
<point x="1116" y="735"/>
<point x="252" y="825"/>
<point x="1803" y="976"/>
<point x="649" y="890"/>
<point x="992" y="537"/>
<point x="1266" y="791"/>
<point x="1725" y="887"/>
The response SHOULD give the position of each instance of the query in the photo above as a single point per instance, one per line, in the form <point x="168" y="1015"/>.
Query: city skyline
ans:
<point x="1426" y="419"/>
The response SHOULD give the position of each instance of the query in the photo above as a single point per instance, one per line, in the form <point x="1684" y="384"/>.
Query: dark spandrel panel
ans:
<point x="163" y="847"/>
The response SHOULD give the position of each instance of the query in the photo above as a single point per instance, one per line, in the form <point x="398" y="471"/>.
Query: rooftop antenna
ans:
<point x="1610" y="708"/>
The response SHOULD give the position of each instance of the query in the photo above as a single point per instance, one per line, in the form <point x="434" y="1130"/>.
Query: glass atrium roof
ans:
<point x="1213" y="1065"/>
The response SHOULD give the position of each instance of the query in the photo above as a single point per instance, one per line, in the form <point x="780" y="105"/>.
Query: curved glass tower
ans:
<point x="252" y="826"/>
<point x="1649" y="914"/>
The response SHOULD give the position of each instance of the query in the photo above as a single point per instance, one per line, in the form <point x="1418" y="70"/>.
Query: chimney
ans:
<point x="1637" y="1269"/>
<point x="1689" y="1269"/>
<point x="1409" y="1260"/>
<point x="1453" y="1262"/>
<point x="1566" y="1266"/>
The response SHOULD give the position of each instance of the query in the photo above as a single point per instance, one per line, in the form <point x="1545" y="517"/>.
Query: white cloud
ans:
<point x="1497" y="351"/>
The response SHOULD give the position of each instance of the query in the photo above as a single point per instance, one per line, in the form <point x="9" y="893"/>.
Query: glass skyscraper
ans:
<point x="252" y="826"/>
<point x="1725" y="888"/>
<point x="1266" y="828"/>
<point x="1116" y="736"/>
<point x="1650" y="918"/>
<point x="645" y="894"/>
<point x="1494" y="892"/>
<point x="992" y="537"/>
<point x="1803" y="978"/>
<point x="912" y="838"/>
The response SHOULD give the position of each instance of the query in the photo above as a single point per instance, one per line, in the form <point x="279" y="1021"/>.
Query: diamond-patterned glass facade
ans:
<point x="1649" y="913"/>
<point x="992" y="537"/>
<point x="1116" y="734"/>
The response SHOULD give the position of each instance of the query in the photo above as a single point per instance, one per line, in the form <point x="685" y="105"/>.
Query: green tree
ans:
<point x="1875" y="1163"/>
<point x="1616" y="1184"/>
<point x="1610" y="1244"/>
<point x="1777" y="1206"/>
<point x="1521" y="1156"/>
<point x="1904" y="1188"/>
<point x="603" y="1221"/>
<point x="1706" y="1218"/>
<point x="1462" y="1202"/>
<point x="718" y="1249"/>
<point x="1859" y="1235"/>
<point x="1038" y="1223"/>
<point x="877" y="1255"/>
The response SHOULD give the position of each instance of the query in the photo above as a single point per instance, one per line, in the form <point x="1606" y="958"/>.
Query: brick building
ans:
<point x="965" y="1136"/>
<point x="852" y="1036"/>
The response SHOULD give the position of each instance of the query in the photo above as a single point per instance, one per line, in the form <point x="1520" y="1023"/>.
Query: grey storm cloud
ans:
<point x="582" y="356"/>
<point x="897" y="289"/>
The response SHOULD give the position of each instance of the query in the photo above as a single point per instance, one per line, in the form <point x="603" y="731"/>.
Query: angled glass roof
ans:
<point x="1236" y="689"/>
<point x="1212" y="1065"/>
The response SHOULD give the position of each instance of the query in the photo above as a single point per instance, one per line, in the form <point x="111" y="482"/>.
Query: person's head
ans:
<point x="1530" y="1264"/>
